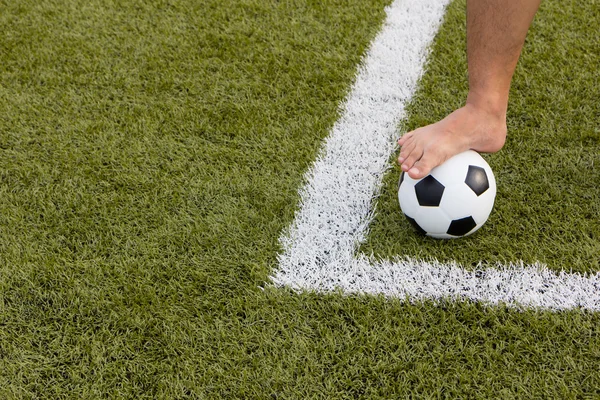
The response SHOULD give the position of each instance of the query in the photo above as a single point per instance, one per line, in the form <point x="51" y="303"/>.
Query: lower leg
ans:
<point x="496" y="31"/>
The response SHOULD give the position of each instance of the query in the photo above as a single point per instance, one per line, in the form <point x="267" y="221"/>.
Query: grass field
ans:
<point x="548" y="199"/>
<point x="151" y="154"/>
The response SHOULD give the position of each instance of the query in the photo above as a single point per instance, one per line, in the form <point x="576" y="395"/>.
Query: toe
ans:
<point x="423" y="166"/>
<point x="402" y="141"/>
<point x="412" y="158"/>
<point x="416" y="172"/>
<point x="406" y="151"/>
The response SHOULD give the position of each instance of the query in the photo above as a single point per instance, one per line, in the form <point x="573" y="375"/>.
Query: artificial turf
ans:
<point x="150" y="156"/>
<point x="548" y="198"/>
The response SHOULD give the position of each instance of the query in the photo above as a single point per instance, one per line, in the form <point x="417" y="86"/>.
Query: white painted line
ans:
<point x="337" y="202"/>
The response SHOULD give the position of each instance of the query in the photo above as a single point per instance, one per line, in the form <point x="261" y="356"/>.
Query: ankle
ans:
<point x="491" y="103"/>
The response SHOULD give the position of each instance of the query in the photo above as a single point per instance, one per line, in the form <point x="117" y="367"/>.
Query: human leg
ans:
<point x="496" y="31"/>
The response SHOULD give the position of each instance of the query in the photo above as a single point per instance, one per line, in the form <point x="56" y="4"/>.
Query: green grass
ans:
<point x="150" y="156"/>
<point x="548" y="198"/>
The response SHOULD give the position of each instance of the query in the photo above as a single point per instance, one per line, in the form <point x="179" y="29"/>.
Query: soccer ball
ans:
<point x="453" y="201"/>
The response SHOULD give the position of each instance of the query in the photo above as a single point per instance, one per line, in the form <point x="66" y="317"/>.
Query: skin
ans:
<point x="496" y="31"/>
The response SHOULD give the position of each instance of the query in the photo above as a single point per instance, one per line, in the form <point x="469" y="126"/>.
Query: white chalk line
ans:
<point x="320" y="249"/>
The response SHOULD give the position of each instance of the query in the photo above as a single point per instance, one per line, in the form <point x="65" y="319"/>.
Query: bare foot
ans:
<point x="467" y="128"/>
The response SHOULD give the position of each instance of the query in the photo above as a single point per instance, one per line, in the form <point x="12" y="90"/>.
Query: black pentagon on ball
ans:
<point x="429" y="192"/>
<point x="460" y="227"/>
<point x="477" y="180"/>
<point x="416" y="226"/>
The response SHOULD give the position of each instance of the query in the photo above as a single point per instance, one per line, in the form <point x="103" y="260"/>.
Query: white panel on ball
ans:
<point x="407" y="197"/>
<point x="454" y="169"/>
<point x="433" y="220"/>
<point x="458" y="201"/>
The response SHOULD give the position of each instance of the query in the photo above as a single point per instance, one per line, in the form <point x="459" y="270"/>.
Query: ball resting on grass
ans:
<point x="453" y="201"/>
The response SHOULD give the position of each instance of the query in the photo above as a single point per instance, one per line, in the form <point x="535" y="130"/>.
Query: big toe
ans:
<point x="420" y="169"/>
